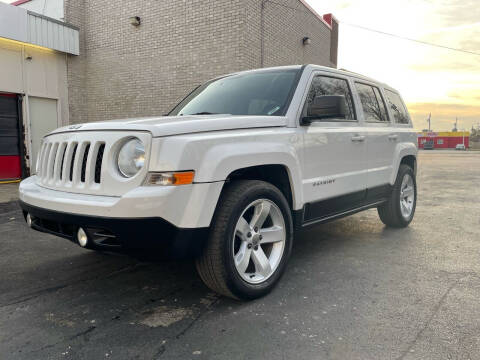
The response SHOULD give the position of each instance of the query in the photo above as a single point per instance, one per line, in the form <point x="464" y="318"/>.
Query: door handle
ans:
<point x="358" y="138"/>
<point x="392" y="137"/>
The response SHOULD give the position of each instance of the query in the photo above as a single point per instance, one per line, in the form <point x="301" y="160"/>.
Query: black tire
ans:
<point x="390" y="213"/>
<point x="216" y="265"/>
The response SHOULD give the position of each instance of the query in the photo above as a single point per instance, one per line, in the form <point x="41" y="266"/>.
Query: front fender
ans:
<point x="215" y="156"/>
<point x="221" y="160"/>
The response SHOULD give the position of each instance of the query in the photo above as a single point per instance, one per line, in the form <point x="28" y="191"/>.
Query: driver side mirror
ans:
<point x="325" y="107"/>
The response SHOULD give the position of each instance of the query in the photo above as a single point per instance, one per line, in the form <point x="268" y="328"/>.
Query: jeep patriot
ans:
<point x="231" y="172"/>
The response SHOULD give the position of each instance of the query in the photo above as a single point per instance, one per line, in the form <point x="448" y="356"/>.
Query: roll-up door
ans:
<point x="10" y="159"/>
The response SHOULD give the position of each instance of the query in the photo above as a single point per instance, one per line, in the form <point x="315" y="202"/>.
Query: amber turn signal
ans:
<point x="170" y="178"/>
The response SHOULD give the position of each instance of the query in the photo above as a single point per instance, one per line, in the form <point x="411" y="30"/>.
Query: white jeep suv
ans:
<point x="231" y="172"/>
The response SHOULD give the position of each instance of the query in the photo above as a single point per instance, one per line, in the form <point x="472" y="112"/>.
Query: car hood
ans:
<point x="176" y="125"/>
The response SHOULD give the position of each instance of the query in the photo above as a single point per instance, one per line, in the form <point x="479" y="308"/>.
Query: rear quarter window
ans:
<point x="397" y="107"/>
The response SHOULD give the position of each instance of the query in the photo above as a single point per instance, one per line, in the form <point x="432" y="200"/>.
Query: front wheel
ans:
<point x="250" y="241"/>
<point x="398" y="211"/>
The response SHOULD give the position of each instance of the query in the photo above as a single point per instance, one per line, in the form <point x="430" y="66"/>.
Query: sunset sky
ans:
<point x="443" y="82"/>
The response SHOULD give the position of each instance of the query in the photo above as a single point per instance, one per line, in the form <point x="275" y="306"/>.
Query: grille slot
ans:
<point x="63" y="160"/>
<point x="72" y="162"/>
<point x="84" y="163"/>
<point x="98" y="163"/>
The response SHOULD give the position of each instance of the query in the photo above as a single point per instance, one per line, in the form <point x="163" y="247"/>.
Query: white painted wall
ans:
<point x="44" y="76"/>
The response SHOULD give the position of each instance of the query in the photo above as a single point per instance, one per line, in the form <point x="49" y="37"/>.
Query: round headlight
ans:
<point x="131" y="157"/>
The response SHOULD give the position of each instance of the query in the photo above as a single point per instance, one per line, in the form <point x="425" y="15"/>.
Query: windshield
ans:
<point x="259" y="93"/>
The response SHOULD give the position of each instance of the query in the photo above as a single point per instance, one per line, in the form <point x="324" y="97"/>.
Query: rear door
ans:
<point x="334" y="153"/>
<point x="381" y="137"/>
<point x="10" y="166"/>
<point x="402" y="123"/>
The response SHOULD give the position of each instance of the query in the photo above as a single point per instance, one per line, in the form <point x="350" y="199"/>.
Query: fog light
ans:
<point x="82" y="237"/>
<point x="29" y="220"/>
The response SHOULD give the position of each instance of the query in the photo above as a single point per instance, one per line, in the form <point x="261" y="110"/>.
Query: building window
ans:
<point x="440" y="141"/>
<point x="423" y="141"/>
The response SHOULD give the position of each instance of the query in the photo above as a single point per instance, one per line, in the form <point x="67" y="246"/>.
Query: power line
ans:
<point x="382" y="32"/>
<point x="410" y="39"/>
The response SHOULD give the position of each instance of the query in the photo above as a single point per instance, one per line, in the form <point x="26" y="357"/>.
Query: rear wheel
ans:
<point x="250" y="241"/>
<point x="398" y="211"/>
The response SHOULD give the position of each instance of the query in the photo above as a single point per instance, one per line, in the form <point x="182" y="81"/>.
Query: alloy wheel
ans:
<point x="259" y="241"/>
<point x="407" y="196"/>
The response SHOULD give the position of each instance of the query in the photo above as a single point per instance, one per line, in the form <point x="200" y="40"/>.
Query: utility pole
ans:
<point x="428" y="120"/>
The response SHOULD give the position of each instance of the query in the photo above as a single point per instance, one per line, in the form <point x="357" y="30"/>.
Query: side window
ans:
<point x="372" y="103"/>
<point x="326" y="85"/>
<point x="398" y="108"/>
<point x="381" y="103"/>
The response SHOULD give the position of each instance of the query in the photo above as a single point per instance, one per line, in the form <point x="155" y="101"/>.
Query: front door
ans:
<point x="334" y="155"/>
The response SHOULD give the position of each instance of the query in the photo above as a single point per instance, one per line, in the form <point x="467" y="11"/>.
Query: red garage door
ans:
<point x="10" y="167"/>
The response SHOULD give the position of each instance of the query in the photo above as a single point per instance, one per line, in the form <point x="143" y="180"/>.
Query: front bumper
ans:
<point x="185" y="206"/>
<point x="119" y="233"/>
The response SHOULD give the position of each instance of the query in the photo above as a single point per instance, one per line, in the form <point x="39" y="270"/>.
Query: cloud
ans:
<point x="456" y="12"/>
<point x="446" y="64"/>
<point x="443" y="115"/>
<point x="471" y="96"/>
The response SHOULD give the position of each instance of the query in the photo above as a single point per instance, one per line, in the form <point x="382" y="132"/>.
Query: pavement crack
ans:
<point x="72" y="337"/>
<point x="42" y="292"/>
<point x="82" y="333"/>
<point x="436" y="308"/>
<point x="162" y="349"/>
<point x="195" y="319"/>
<point x="159" y="352"/>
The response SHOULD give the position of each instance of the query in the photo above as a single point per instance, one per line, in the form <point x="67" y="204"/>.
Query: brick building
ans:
<point x="126" y="69"/>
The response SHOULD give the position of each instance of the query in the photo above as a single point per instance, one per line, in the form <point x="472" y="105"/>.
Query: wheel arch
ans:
<point x="405" y="153"/>
<point x="275" y="174"/>
<point x="411" y="161"/>
<point x="254" y="161"/>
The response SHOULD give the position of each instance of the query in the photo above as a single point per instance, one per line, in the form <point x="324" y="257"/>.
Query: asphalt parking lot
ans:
<point x="353" y="290"/>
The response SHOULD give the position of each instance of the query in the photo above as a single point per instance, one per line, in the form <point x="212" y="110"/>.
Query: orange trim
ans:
<point x="10" y="181"/>
<point x="183" y="178"/>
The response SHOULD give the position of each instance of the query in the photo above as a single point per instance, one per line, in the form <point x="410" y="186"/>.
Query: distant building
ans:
<point x="444" y="139"/>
